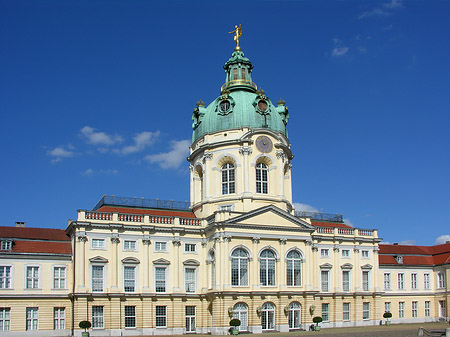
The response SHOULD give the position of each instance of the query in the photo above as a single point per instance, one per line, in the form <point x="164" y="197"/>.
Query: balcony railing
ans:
<point x="138" y="218"/>
<point x="111" y="200"/>
<point x="319" y="216"/>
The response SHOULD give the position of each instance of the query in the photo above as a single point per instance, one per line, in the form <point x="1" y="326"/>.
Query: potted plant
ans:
<point x="317" y="320"/>
<point x="234" y="323"/>
<point x="85" y="325"/>
<point x="387" y="315"/>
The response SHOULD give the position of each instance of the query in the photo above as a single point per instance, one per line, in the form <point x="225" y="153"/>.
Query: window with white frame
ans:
<point x="240" y="311"/>
<point x="365" y="280"/>
<point x="294" y="315"/>
<point x="346" y="280"/>
<point x="228" y="179"/>
<point x="239" y="267"/>
<point x="401" y="281"/>
<point x="387" y="306"/>
<point x="5" y="245"/>
<point x="346" y="311"/>
<point x="212" y="268"/>
<point x="401" y="309"/>
<point x="98" y="243"/>
<point x="129" y="279"/>
<point x="268" y="316"/>
<point x="189" y="312"/>
<point x="365" y="254"/>
<point x="5" y="277"/>
<point x="5" y="319"/>
<point x="160" y="279"/>
<point x="130" y="316"/>
<point x="441" y="280"/>
<point x="189" y="279"/>
<point x="97" y="277"/>
<point x="414" y="309"/>
<point x="325" y="312"/>
<point x="427" y="308"/>
<point x="160" y="246"/>
<point x="324" y="252"/>
<point x="226" y="208"/>
<point x="129" y="245"/>
<point x="59" y="277"/>
<point x="32" y="281"/>
<point x="293" y="268"/>
<point x="426" y="281"/>
<point x="32" y="319"/>
<point x="190" y="247"/>
<point x="414" y="281"/>
<point x="387" y="281"/>
<point x="366" y="310"/>
<point x="267" y="260"/>
<point x="325" y="280"/>
<point x="59" y="318"/>
<point x="262" y="178"/>
<point x="345" y="253"/>
<point x="161" y="316"/>
<point x="98" y="320"/>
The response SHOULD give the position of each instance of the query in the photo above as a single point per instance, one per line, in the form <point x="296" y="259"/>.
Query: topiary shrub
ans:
<point x="85" y="325"/>
<point x="235" y="322"/>
<point x="317" y="320"/>
<point x="387" y="315"/>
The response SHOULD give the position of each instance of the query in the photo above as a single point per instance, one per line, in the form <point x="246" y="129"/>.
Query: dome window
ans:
<point x="224" y="106"/>
<point x="262" y="106"/>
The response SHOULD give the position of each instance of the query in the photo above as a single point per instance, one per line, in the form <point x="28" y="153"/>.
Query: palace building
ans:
<point x="238" y="250"/>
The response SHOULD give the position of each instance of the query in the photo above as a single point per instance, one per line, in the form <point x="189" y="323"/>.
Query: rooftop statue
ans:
<point x="237" y="34"/>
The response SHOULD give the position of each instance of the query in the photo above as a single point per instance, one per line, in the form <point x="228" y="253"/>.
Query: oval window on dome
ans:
<point x="224" y="106"/>
<point x="262" y="106"/>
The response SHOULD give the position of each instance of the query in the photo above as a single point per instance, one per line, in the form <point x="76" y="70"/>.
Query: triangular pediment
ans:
<point x="98" y="259"/>
<point x="271" y="216"/>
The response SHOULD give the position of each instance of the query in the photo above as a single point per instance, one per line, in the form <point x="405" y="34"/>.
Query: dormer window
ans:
<point x="399" y="259"/>
<point x="6" y="245"/>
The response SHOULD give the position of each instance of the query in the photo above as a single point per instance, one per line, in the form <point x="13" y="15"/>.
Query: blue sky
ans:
<point x="96" y="98"/>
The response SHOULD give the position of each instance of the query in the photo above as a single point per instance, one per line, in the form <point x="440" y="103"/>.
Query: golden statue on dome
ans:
<point x="237" y="34"/>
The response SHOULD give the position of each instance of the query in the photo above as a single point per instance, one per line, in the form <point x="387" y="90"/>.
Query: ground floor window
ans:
<point x="294" y="315"/>
<point x="32" y="318"/>
<point x="414" y="309"/>
<point x="268" y="316"/>
<point x="161" y="316"/>
<point x="442" y="311"/>
<point x="59" y="318"/>
<point x="325" y="312"/>
<point x="130" y="316"/>
<point x="346" y="312"/>
<point x="366" y="310"/>
<point x="190" y="318"/>
<point x="401" y="309"/>
<point x="240" y="311"/>
<point x="427" y="309"/>
<point x="98" y="321"/>
<point x="5" y="319"/>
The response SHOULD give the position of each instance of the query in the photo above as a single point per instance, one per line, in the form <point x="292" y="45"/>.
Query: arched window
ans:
<point x="228" y="179"/>
<point x="261" y="178"/>
<point x="212" y="262"/>
<point x="240" y="311"/>
<point x="267" y="268"/>
<point x="294" y="315"/>
<point x="293" y="268"/>
<point x="239" y="267"/>
<point x="268" y="316"/>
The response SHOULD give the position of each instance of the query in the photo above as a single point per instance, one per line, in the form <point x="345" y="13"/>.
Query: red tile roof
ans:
<point x="329" y="224"/>
<point x="34" y="233"/>
<point x="414" y="255"/>
<point x="125" y="210"/>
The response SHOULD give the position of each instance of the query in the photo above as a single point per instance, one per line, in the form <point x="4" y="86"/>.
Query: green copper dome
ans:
<point x="239" y="105"/>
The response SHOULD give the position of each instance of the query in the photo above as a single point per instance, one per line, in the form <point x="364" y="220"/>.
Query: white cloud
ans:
<point x="88" y="172"/>
<point x="304" y="208"/>
<point x="394" y="4"/>
<point x="99" y="138"/>
<point x="58" y="153"/>
<point x="407" y="242"/>
<point x="91" y="172"/>
<point x="385" y="10"/>
<point x="172" y="159"/>
<point x="442" y="239"/>
<point x="339" y="48"/>
<point x="348" y="222"/>
<point x="141" y="140"/>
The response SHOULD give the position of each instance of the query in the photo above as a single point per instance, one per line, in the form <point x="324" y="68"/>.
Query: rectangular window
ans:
<point x="365" y="254"/>
<point x="346" y="312"/>
<point x="365" y="280"/>
<point x="129" y="245"/>
<point x="346" y="280"/>
<point x="32" y="277"/>
<point x="387" y="306"/>
<point x="324" y="252"/>
<point x="324" y="276"/>
<point x="427" y="308"/>
<point x="161" y="316"/>
<point x="401" y="309"/>
<point x="441" y="280"/>
<point x="160" y="279"/>
<point x="190" y="318"/>
<point x="98" y="321"/>
<point x="345" y="253"/>
<point x="413" y="281"/>
<point x="130" y="316"/>
<point x="59" y="277"/>
<point x="5" y="319"/>
<point x="387" y="281"/>
<point x="189" y="278"/>
<point x="426" y="281"/>
<point x="98" y="244"/>
<point x="5" y="277"/>
<point x="97" y="278"/>
<point x="326" y="312"/>
<point x="59" y="318"/>
<point x="32" y="319"/>
<point x="414" y="309"/>
<point x="6" y="245"/>
<point x="401" y="281"/>
<point x="160" y="246"/>
<point x="190" y="247"/>
<point x="366" y="310"/>
<point x="129" y="279"/>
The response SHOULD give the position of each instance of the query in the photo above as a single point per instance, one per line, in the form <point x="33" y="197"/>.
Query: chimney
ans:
<point x="20" y="224"/>
<point x="395" y="243"/>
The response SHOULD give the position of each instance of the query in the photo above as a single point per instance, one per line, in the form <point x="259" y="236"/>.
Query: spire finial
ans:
<point x="237" y="34"/>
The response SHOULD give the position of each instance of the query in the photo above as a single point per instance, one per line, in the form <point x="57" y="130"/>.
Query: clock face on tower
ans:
<point x="264" y="144"/>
